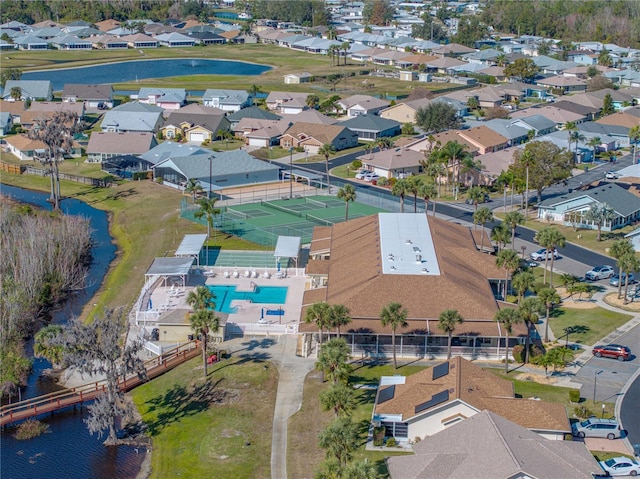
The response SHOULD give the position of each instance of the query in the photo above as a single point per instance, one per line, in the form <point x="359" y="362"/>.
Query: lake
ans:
<point x="142" y="69"/>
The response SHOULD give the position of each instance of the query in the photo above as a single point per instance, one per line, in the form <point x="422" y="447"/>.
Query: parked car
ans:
<point x="615" y="279"/>
<point x="599" y="272"/>
<point x="361" y="174"/>
<point x="542" y="254"/>
<point x="486" y="199"/>
<point x="594" y="427"/>
<point x="612" y="175"/>
<point x="615" y="351"/>
<point x="620" y="466"/>
<point x="371" y="177"/>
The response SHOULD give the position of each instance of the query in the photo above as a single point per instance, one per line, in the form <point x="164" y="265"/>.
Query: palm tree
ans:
<point x="360" y="470"/>
<point x="413" y="187"/>
<point x="345" y="47"/>
<point x="482" y="216"/>
<point x="634" y="137"/>
<point x="526" y="159"/>
<point x="15" y="93"/>
<point x="340" y="439"/>
<point x="594" y="143"/>
<point x="203" y="319"/>
<point x="208" y="210"/>
<point x="530" y="309"/>
<point x="551" y="239"/>
<point x="628" y="263"/>
<point x="340" y="398"/>
<point x="508" y="260"/>
<point x="395" y="316"/>
<point x="577" y="137"/>
<point x="347" y="193"/>
<point x="312" y="100"/>
<point x="194" y="187"/>
<point x="507" y="318"/>
<point x="570" y="127"/>
<point x="318" y="313"/>
<point x="253" y="91"/>
<point x="600" y="214"/>
<point x="619" y="249"/>
<point x="475" y="195"/>
<point x="332" y="360"/>
<point x="427" y="192"/>
<point x="339" y="315"/>
<point x="454" y="153"/>
<point x="327" y="150"/>
<point x="522" y="282"/>
<point x="400" y="188"/>
<point x="501" y="234"/>
<point x="447" y="324"/>
<point x="384" y="143"/>
<point x="549" y="298"/>
<point x="46" y="346"/>
<point x="513" y="219"/>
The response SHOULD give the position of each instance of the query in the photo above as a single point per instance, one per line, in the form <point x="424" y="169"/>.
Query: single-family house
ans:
<point x="70" y="42"/>
<point x="488" y="445"/>
<point x="15" y="108"/>
<point x="103" y="145"/>
<point x="108" y="42"/>
<point x="569" y="209"/>
<point x="312" y="136"/>
<point x="514" y="134"/>
<point x="25" y="148"/>
<point x="30" y="42"/>
<point x="310" y="116"/>
<point x="444" y="65"/>
<point x="494" y="164"/>
<point x="588" y="112"/>
<point x="175" y="39"/>
<point x="133" y="116"/>
<point x="621" y="118"/>
<point x="6" y="123"/>
<point x="541" y="125"/>
<point x="404" y="112"/>
<point x="266" y="136"/>
<point x="171" y="149"/>
<point x="248" y="125"/>
<point x="430" y="401"/>
<point x="33" y="90"/>
<point x="93" y="96"/>
<point x="167" y="98"/>
<point x="452" y="50"/>
<point x="251" y="112"/>
<point x="393" y="162"/>
<point x="366" y="262"/>
<point x="297" y="78"/>
<point x="52" y="107"/>
<point x="195" y="123"/>
<point x="227" y="100"/>
<point x="564" y="84"/>
<point x="357" y="105"/>
<point x="286" y="102"/>
<point x="140" y="40"/>
<point x="557" y="115"/>
<point x="372" y="127"/>
<point x="484" y="138"/>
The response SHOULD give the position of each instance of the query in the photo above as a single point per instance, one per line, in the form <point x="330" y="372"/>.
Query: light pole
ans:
<point x="291" y="172"/>
<point x="523" y="248"/>
<point x="595" y="384"/>
<point x="210" y="176"/>
<point x="603" y="407"/>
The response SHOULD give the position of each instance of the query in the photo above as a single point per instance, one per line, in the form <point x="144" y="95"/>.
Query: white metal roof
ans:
<point x="407" y="245"/>
<point x="170" y="267"/>
<point x="287" y="247"/>
<point x="191" y="245"/>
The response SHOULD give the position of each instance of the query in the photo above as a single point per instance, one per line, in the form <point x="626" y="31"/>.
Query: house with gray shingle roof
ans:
<point x="167" y="98"/>
<point x="31" y="90"/>
<point x="6" y="123"/>
<point x="541" y="125"/>
<point x="311" y="137"/>
<point x="357" y="105"/>
<point x="133" y="116"/>
<point x="170" y="149"/>
<point x="175" y="39"/>
<point x="251" y="112"/>
<point x="93" y="96"/>
<point x="569" y="209"/>
<point x="30" y="42"/>
<point x="70" y="42"/>
<point x="103" y="145"/>
<point x="372" y="127"/>
<point x="488" y="445"/>
<point x="227" y="100"/>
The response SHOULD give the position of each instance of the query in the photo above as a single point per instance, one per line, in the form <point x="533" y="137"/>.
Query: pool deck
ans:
<point x="166" y="299"/>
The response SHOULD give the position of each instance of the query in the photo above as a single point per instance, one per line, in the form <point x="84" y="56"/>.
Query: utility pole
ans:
<point x="291" y="172"/>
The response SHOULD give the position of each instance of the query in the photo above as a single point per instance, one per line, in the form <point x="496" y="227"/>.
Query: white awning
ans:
<point x="191" y="245"/>
<point x="170" y="267"/>
<point x="288" y="247"/>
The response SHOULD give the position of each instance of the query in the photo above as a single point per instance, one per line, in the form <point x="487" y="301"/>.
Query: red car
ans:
<point x="615" y="351"/>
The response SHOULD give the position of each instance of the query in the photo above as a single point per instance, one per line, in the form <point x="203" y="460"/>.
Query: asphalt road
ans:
<point x="630" y="412"/>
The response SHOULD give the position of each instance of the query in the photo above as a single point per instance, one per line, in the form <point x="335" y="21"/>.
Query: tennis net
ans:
<point x="281" y="208"/>
<point x="237" y="214"/>
<point x="319" y="221"/>
<point x="321" y="204"/>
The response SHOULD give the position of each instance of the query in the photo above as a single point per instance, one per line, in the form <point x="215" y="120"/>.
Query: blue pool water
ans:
<point x="225" y="294"/>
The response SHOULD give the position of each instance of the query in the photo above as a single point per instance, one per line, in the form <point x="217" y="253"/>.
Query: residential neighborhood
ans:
<point x="405" y="246"/>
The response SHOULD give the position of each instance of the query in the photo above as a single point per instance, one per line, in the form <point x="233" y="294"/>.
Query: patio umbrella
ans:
<point x="261" y="313"/>
<point x="278" y="265"/>
<point x="150" y="306"/>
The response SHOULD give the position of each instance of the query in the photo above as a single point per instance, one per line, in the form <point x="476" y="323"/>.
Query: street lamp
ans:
<point x="603" y="407"/>
<point x="595" y="384"/>
<point x="291" y="172"/>
<point x="523" y="248"/>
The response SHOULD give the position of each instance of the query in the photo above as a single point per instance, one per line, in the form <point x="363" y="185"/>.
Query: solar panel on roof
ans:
<point x="440" y="370"/>
<point x="386" y="394"/>
<point x="434" y="401"/>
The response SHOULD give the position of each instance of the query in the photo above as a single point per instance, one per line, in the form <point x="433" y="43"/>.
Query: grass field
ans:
<point x="589" y="324"/>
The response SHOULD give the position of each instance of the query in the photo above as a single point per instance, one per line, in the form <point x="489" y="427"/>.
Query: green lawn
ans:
<point x="201" y="429"/>
<point x="590" y="324"/>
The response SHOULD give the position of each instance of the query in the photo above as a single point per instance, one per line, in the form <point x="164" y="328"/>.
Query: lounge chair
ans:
<point x="266" y="275"/>
<point x="254" y="274"/>
<point x="236" y="274"/>
<point x="278" y="274"/>
<point x="227" y="275"/>
<point x="247" y="274"/>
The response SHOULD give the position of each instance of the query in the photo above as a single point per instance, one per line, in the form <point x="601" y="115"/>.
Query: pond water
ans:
<point x="68" y="450"/>
<point x="141" y="69"/>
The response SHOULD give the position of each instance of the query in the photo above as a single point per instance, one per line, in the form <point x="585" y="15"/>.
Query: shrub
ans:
<point x="140" y="175"/>
<point x="356" y="164"/>
<point x="378" y="435"/>
<point x="29" y="429"/>
<point x="539" y="286"/>
<point x="391" y="442"/>
<point x="378" y="442"/>
<point x="518" y="353"/>
<point x="582" y="412"/>
<point x="512" y="299"/>
<point x="382" y="181"/>
<point x="392" y="181"/>
<point x="574" y="395"/>
<point x="159" y="180"/>
<point x="535" y="351"/>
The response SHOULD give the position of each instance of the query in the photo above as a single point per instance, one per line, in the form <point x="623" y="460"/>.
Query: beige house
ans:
<point x="484" y="138"/>
<point x="103" y="145"/>
<point x="405" y="112"/>
<point x="311" y="137"/>
<point x="297" y="78"/>
<point x="175" y="327"/>
<point x="393" y="162"/>
<point x="25" y="148"/>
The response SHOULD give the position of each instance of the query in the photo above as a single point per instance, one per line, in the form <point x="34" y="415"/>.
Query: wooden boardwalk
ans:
<point x="70" y="397"/>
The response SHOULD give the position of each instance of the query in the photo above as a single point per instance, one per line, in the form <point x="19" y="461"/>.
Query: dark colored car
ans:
<point x="615" y="351"/>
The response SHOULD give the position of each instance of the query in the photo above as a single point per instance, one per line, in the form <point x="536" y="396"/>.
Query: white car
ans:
<point x="542" y="254"/>
<point x="361" y="174"/>
<point x="620" y="466"/>
<point x="612" y="175"/>
<point x="371" y="177"/>
<point x="599" y="272"/>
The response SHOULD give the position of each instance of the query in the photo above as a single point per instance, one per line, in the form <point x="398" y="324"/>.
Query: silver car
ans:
<point x="599" y="272"/>
<point x="594" y="427"/>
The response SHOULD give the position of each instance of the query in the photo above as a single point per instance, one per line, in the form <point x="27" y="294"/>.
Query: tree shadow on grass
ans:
<point x="243" y="358"/>
<point x="179" y="402"/>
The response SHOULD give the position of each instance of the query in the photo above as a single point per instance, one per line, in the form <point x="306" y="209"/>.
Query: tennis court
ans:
<point x="243" y="259"/>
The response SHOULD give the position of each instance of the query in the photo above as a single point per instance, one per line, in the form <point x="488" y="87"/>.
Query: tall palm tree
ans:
<point x="507" y="318"/>
<point x="549" y="298"/>
<point x="619" y="249"/>
<point x="400" y="188"/>
<point x="600" y="214"/>
<point x="208" y="210"/>
<point x="384" y="143"/>
<point x="628" y="263"/>
<point x="526" y="159"/>
<point x="253" y="91"/>
<point x="339" y="315"/>
<point x="332" y="360"/>
<point x="522" y="282"/>
<point x="501" y="234"/>
<point x="312" y="100"/>
<point x="194" y="187"/>
<point x="513" y="219"/>
<point x="447" y="324"/>
<point x="347" y="193"/>
<point x="395" y="316"/>
<point x="454" y="153"/>
<point x="16" y="93"/>
<point x="551" y="239"/>
<point x="345" y="47"/>
<point x="508" y="260"/>
<point x="413" y="187"/>
<point x="203" y="319"/>
<point x="327" y="150"/>
<point x="340" y="439"/>
<point x="570" y="127"/>
<point x="428" y="192"/>
<point x="594" y="143"/>
<point x="634" y="137"/>
<point x="476" y="196"/>
<point x="577" y="137"/>
<point x="340" y="398"/>
<point x="318" y="313"/>
<point x="530" y="309"/>
<point x="482" y="216"/>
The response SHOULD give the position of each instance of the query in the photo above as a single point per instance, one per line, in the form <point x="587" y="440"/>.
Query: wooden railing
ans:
<point x="87" y="392"/>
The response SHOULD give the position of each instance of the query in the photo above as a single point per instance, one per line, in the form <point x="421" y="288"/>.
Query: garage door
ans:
<point x="196" y="137"/>
<point x="257" y="142"/>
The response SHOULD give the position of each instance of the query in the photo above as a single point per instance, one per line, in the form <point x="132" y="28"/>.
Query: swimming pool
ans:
<point x="225" y="294"/>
